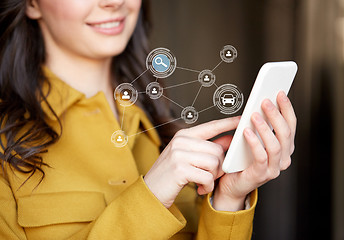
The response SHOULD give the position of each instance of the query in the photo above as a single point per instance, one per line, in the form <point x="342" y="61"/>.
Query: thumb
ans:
<point x="224" y="141"/>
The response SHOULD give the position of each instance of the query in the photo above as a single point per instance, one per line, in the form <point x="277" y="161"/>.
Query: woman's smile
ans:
<point x="109" y="27"/>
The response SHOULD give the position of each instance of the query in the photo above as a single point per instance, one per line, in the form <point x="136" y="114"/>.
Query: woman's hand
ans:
<point x="269" y="161"/>
<point x="189" y="157"/>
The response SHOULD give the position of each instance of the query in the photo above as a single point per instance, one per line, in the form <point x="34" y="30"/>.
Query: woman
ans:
<point x="63" y="179"/>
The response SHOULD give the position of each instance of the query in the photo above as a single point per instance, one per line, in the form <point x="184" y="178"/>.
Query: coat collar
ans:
<point x="62" y="96"/>
<point x="59" y="95"/>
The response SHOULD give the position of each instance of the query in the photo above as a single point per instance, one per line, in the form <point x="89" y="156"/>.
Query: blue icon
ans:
<point x="161" y="63"/>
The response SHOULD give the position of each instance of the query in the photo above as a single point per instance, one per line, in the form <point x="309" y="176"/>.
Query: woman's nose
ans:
<point x="113" y="4"/>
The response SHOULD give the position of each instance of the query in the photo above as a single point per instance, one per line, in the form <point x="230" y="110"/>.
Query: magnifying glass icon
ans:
<point x="158" y="61"/>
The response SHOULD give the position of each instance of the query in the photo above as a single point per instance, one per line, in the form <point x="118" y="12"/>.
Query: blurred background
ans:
<point x="307" y="200"/>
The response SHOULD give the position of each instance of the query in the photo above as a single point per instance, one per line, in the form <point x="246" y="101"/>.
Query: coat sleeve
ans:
<point x="135" y="214"/>
<point x="226" y="225"/>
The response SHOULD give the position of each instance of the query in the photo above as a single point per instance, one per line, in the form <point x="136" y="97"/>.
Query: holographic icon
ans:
<point x="119" y="138"/>
<point x="228" y="53"/>
<point x="125" y="94"/>
<point x="206" y="78"/>
<point x="154" y="90"/>
<point x="189" y="115"/>
<point x="161" y="62"/>
<point x="228" y="99"/>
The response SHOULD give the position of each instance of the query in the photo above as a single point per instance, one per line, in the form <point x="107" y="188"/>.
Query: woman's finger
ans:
<point x="272" y="145"/>
<point x="204" y="161"/>
<point x="279" y="124"/>
<point x="202" y="178"/>
<point x="260" y="163"/>
<point x="210" y="129"/>
<point x="287" y="111"/>
<point x="283" y="132"/>
<point x="196" y="145"/>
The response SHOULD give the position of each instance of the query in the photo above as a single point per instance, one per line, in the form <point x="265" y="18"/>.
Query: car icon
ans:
<point x="228" y="98"/>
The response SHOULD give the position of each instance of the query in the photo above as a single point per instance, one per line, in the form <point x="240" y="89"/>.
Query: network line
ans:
<point x="217" y="66"/>
<point x="154" y="127"/>
<point x="199" y="90"/>
<point x="206" y="109"/>
<point x="188" y="69"/>
<point x="177" y="85"/>
<point x="173" y="102"/>
<point x="122" y="118"/>
<point x="139" y="76"/>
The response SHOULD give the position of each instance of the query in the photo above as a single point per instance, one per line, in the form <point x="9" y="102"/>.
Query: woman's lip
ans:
<point x="120" y="19"/>
<point x="108" y="27"/>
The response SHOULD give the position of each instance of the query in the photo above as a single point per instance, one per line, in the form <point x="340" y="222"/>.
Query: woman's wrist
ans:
<point x="223" y="202"/>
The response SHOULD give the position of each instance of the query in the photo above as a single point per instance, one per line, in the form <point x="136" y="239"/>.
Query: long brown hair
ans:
<point x="24" y="133"/>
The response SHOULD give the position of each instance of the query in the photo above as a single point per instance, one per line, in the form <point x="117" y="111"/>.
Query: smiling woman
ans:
<point x="60" y="62"/>
<point x="78" y="27"/>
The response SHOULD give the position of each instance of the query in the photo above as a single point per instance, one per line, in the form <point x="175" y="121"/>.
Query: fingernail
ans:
<point x="258" y="118"/>
<point x="284" y="97"/>
<point x="269" y="105"/>
<point x="248" y="132"/>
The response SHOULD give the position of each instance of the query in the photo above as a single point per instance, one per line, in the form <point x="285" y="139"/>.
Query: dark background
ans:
<point x="306" y="201"/>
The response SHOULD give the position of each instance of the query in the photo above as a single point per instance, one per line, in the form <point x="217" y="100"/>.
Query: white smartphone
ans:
<point x="272" y="78"/>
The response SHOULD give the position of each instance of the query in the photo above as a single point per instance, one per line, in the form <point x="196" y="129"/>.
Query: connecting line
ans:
<point x="216" y="85"/>
<point x="156" y="79"/>
<point x="188" y="69"/>
<point x="199" y="90"/>
<point x="206" y="109"/>
<point x="122" y="118"/>
<point x="139" y="76"/>
<point x="217" y="66"/>
<point x="173" y="101"/>
<point x="177" y="85"/>
<point x="154" y="127"/>
<point x="141" y="92"/>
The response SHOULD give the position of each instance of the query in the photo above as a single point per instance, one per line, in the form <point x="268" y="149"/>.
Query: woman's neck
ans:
<point x="85" y="75"/>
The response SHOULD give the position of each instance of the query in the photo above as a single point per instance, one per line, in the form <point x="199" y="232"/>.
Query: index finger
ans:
<point x="211" y="129"/>
<point x="287" y="111"/>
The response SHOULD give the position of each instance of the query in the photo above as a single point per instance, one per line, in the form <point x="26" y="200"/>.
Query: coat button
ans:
<point x="117" y="182"/>
<point x="93" y="112"/>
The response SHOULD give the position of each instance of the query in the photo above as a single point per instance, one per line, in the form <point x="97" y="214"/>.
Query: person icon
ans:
<point x="154" y="91"/>
<point x="119" y="139"/>
<point x="206" y="78"/>
<point x="228" y="54"/>
<point x="125" y="95"/>
<point x="190" y="116"/>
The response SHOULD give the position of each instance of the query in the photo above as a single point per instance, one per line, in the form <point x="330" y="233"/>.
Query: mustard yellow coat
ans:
<point x="95" y="190"/>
